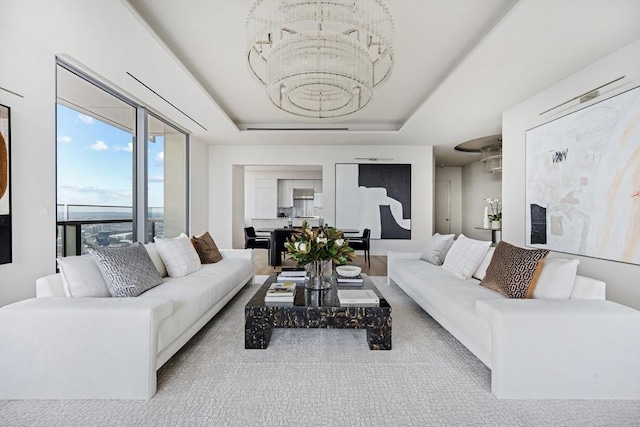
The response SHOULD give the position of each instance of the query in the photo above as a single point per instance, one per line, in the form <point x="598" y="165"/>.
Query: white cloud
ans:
<point x="64" y="139"/>
<point x="99" y="145"/>
<point x="86" y="119"/>
<point x="156" y="178"/>
<point x="160" y="158"/>
<point x="128" y="148"/>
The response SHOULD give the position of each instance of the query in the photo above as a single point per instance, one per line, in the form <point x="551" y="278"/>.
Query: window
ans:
<point x="99" y="165"/>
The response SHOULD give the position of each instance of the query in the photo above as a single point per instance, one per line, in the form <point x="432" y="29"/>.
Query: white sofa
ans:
<point x="57" y="347"/>
<point x="582" y="348"/>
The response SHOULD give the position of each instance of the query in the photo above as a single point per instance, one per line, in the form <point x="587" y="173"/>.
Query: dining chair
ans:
<point x="361" y="243"/>
<point x="251" y="241"/>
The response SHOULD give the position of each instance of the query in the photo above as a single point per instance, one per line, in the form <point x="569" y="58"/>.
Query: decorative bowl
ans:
<point x="348" y="270"/>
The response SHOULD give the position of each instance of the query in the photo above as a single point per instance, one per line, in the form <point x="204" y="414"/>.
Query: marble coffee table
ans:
<point x="316" y="309"/>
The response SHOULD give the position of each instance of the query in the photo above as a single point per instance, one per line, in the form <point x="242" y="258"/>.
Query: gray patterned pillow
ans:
<point x="128" y="271"/>
<point x="436" y="248"/>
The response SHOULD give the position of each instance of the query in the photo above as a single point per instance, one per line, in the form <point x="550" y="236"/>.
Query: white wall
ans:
<point x="477" y="185"/>
<point x="623" y="280"/>
<point x="225" y="224"/>
<point x="199" y="187"/>
<point x="454" y="176"/>
<point x="32" y="33"/>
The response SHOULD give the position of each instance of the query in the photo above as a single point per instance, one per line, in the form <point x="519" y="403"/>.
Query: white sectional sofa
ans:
<point x="57" y="347"/>
<point x="584" y="347"/>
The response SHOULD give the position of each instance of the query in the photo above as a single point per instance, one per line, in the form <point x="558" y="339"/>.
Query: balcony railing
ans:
<point x="81" y="227"/>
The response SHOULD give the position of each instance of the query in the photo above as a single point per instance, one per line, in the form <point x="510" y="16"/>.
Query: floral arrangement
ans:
<point x="324" y="243"/>
<point x="495" y="207"/>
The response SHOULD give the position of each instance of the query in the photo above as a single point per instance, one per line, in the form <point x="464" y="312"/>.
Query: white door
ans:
<point x="443" y="207"/>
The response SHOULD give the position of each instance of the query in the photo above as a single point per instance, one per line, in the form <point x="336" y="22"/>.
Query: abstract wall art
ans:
<point x="583" y="181"/>
<point x="5" y="185"/>
<point x="374" y="196"/>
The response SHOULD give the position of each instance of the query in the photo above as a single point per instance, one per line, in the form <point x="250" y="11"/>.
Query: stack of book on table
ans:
<point x="349" y="281"/>
<point x="358" y="297"/>
<point x="289" y="274"/>
<point x="281" y="292"/>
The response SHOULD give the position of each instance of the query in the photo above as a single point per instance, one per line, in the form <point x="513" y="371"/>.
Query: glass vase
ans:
<point x="318" y="276"/>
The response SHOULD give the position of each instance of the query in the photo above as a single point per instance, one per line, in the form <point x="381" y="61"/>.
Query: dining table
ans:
<point x="278" y="237"/>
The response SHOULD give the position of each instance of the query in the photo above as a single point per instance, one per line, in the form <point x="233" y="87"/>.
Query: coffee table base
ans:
<point x="260" y="321"/>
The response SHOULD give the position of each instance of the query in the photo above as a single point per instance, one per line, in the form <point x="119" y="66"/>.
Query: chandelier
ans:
<point x="320" y="59"/>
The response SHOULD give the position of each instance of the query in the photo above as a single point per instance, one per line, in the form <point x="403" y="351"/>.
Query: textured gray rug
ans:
<point x="322" y="377"/>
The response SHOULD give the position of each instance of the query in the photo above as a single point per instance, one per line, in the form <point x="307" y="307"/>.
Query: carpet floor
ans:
<point x="323" y="377"/>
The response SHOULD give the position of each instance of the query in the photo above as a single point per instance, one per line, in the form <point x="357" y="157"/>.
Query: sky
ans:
<point x="95" y="163"/>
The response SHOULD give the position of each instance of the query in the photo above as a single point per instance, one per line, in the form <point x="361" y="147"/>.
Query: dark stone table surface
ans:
<point x="316" y="309"/>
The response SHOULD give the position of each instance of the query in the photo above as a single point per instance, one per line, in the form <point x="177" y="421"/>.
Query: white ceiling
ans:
<point x="459" y="65"/>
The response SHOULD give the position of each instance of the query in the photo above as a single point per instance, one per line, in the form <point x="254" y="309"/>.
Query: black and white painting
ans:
<point x="583" y="181"/>
<point x="374" y="196"/>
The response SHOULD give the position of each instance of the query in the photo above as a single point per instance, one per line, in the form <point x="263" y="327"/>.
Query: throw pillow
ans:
<point x="555" y="279"/>
<point x="512" y="269"/>
<point x="178" y="255"/>
<point x="436" y="248"/>
<point x="81" y="277"/>
<point x="155" y="257"/>
<point x="465" y="256"/>
<point x="128" y="271"/>
<point x="206" y="248"/>
<point x="481" y="271"/>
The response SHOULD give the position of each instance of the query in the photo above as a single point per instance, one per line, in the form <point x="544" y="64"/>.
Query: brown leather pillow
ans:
<point x="512" y="269"/>
<point x="206" y="248"/>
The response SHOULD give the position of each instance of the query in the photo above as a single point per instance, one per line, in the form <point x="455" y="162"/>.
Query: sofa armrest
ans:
<point x="80" y="348"/>
<point x="563" y="349"/>
<point x="237" y="253"/>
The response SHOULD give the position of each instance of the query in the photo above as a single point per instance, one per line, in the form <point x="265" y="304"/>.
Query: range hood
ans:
<point x="303" y="194"/>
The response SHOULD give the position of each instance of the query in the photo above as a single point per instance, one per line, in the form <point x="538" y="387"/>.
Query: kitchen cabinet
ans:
<point x="266" y="198"/>
<point x="285" y="192"/>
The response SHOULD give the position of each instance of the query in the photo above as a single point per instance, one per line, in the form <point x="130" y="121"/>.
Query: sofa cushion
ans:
<point x="555" y="279"/>
<point x="512" y="269"/>
<point x="436" y="248"/>
<point x="81" y="277"/>
<point x="178" y="255"/>
<point x="155" y="257"/>
<point x="481" y="271"/>
<point x="128" y="271"/>
<point x="195" y="294"/>
<point x="206" y="248"/>
<point x="465" y="256"/>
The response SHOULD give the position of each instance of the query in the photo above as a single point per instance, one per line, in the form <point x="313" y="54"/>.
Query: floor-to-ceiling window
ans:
<point x="121" y="171"/>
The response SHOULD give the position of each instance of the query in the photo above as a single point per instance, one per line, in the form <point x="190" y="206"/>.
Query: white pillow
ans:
<point x="465" y="256"/>
<point x="81" y="277"/>
<point x="178" y="255"/>
<point x="155" y="257"/>
<point x="556" y="279"/>
<point x="436" y="248"/>
<point x="481" y="271"/>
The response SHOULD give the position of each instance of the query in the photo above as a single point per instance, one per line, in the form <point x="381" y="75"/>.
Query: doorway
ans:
<point x="443" y="207"/>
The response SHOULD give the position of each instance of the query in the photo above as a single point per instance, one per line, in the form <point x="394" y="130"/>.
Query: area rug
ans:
<point x="322" y="377"/>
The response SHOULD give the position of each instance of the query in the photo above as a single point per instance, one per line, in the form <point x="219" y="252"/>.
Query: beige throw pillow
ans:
<point x="512" y="269"/>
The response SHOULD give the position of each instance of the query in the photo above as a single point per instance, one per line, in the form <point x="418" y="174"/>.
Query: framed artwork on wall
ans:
<point x="374" y="196"/>
<point x="5" y="185"/>
<point x="583" y="181"/>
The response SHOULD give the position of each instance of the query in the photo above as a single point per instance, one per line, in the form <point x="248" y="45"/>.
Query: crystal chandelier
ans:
<point x="320" y="59"/>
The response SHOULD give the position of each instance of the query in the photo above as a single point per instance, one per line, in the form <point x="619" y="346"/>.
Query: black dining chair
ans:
<point x="251" y="241"/>
<point x="361" y="243"/>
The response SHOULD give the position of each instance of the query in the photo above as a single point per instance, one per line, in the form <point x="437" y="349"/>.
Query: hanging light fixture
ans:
<point x="320" y="59"/>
